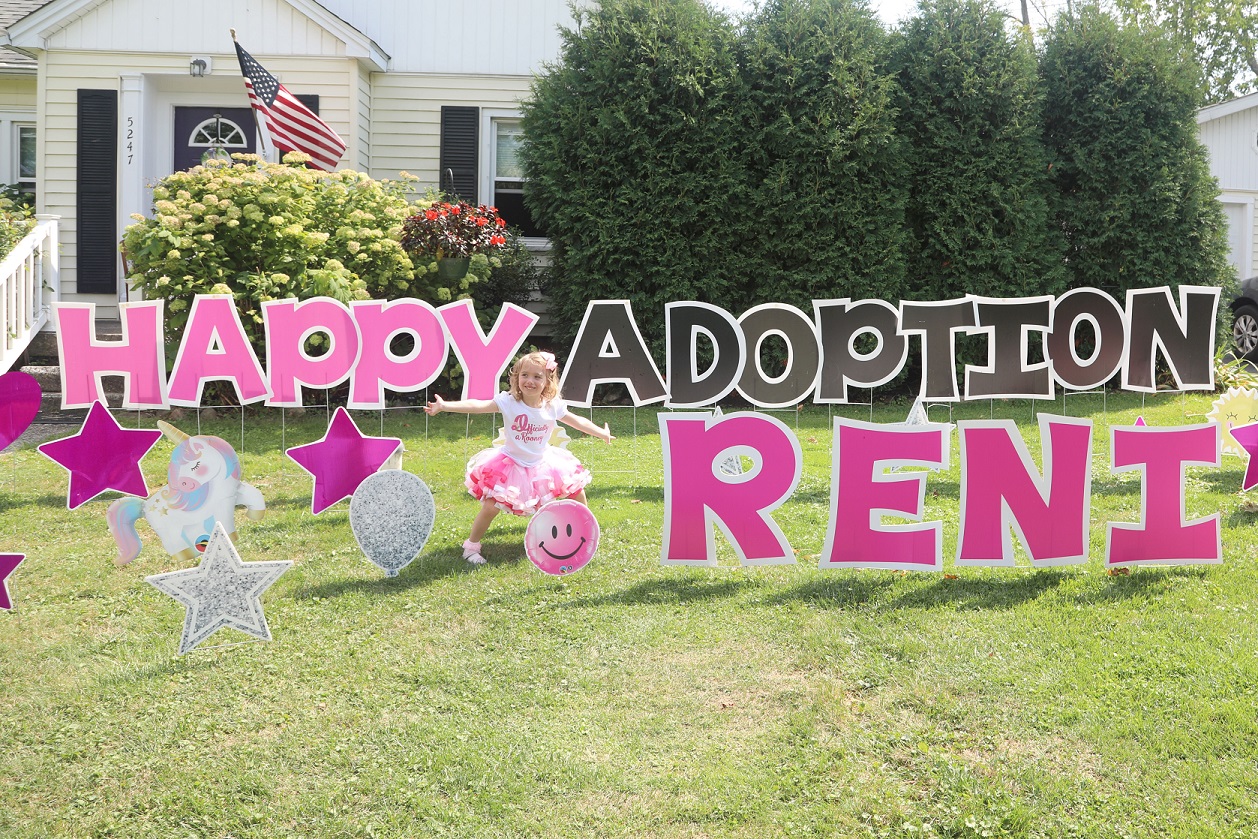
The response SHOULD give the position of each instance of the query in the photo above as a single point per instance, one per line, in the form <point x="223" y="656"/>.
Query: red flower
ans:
<point x="453" y="229"/>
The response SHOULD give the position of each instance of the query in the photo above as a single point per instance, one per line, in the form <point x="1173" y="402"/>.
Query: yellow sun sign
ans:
<point x="1237" y="406"/>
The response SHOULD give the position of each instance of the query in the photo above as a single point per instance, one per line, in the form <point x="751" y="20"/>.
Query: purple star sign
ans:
<point x="8" y="564"/>
<point x="102" y="456"/>
<point x="342" y="460"/>
<point x="1247" y="436"/>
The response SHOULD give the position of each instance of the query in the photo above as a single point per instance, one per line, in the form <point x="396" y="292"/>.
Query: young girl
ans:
<point x="527" y="471"/>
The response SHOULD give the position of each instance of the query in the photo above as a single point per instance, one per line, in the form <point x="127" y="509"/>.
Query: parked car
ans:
<point x="1245" y="319"/>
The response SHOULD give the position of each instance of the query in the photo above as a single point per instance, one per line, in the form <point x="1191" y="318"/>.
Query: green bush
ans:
<point x="825" y="186"/>
<point x="15" y="223"/>
<point x="512" y="276"/>
<point x="633" y="162"/>
<point x="263" y="231"/>
<point x="1133" y="191"/>
<point x="978" y="218"/>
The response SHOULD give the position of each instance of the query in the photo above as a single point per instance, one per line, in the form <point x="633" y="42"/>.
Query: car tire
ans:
<point x="1245" y="330"/>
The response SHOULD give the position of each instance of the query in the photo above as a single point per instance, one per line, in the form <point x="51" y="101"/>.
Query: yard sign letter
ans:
<point x="698" y="493"/>
<point x="861" y="492"/>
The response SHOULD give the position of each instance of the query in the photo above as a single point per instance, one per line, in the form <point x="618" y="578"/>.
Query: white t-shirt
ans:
<point x="528" y="429"/>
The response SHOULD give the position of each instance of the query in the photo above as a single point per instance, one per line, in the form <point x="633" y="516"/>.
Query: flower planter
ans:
<point x="451" y="268"/>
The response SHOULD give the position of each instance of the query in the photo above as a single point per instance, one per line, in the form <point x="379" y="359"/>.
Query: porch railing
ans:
<point x="30" y="281"/>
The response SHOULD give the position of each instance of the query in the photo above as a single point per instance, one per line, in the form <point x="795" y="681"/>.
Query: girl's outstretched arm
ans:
<point x="461" y="406"/>
<point x="580" y="423"/>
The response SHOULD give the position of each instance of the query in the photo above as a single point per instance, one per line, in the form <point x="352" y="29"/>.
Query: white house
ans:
<point x="1229" y="131"/>
<point x="100" y="99"/>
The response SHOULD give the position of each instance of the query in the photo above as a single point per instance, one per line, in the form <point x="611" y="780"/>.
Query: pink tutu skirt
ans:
<point x="522" y="489"/>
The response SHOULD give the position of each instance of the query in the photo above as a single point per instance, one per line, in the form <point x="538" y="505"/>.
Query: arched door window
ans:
<point x="218" y="131"/>
<point x="204" y="131"/>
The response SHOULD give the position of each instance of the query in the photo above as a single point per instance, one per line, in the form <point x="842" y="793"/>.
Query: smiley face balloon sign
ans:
<point x="562" y="537"/>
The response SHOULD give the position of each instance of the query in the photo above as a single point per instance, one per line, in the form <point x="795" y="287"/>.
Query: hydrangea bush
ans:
<point x="15" y="223"/>
<point x="265" y="231"/>
<point x="271" y="231"/>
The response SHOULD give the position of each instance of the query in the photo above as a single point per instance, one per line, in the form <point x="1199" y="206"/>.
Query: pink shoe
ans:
<point x="471" y="552"/>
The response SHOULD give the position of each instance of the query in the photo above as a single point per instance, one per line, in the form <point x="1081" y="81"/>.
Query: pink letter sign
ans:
<point x="138" y="356"/>
<point x="288" y="324"/>
<point x="1001" y="489"/>
<point x="698" y="492"/>
<point x="485" y="357"/>
<point x="862" y="492"/>
<point x="214" y="347"/>
<point x="1164" y="535"/>
<point x="378" y="366"/>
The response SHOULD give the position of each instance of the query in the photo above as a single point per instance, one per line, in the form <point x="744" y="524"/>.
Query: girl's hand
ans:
<point x="607" y="434"/>
<point x="435" y="406"/>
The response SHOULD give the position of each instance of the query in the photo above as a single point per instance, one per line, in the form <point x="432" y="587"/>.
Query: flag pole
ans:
<point x="262" y="133"/>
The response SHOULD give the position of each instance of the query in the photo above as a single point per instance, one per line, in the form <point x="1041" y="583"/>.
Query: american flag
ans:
<point x="290" y="125"/>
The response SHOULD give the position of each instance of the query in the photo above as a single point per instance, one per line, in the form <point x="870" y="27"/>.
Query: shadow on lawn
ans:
<point x="887" y="591"/>
<point x="979" y="593"/>
<point x="1149" y="582"/>
<point x="196" y="660"/>
<point x="424" y="570"/>
<point x="664" y="591"/>
<point x="46" y="500"/>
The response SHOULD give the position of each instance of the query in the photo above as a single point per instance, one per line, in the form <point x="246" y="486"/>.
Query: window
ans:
<point x="218" y="132"/>
<point x="26" y="154"/>
<point x="505" y="178"/>
<point x="18" y="153"/>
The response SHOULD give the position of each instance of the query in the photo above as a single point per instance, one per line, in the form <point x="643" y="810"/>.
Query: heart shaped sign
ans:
<point x="391" y="514"/>
<point x="19" y="403"/>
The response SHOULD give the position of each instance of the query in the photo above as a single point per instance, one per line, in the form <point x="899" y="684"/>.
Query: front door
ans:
<point x="199" y="131"/>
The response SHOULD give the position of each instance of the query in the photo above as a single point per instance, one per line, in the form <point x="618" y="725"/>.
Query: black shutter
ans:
<point x="310" y="100"/>
<point x="97" y="208"/>
<point x="460" y="129"/>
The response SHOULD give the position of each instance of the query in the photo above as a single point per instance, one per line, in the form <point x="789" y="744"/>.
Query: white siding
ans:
<point x="362" y="162"/>
<point x="67" y="72"/>
<point x="406" y="122"/>
<point x="484" y="37"/>
<point x="17" y="108"/>
<point x="18" y="93"/>
<point x="1239" y="211"/>
<point x="1233" y="145"/>
<point x="265" y="27"/>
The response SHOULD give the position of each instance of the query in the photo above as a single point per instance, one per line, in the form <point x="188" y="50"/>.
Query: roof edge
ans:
<point x="1225" y="109"/>
<point x="32" y="31"/>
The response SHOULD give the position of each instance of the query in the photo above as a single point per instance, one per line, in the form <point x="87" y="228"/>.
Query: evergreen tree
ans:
<point x="1134" y="195"/>
<point x="632" y="161"/>
<point x="978" y="212"/>
<point x="825" y="209"/>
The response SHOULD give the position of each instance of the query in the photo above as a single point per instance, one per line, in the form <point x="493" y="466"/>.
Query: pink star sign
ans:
<point x="1247" y="436"/>
<point x="19" y="403"/>
<point x="8" y="564"/>
<point x="342" y="460"/>
<point x="102" y="456"/>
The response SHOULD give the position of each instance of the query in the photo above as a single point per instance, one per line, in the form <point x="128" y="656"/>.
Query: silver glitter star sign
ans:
<point x="221" y="591"/>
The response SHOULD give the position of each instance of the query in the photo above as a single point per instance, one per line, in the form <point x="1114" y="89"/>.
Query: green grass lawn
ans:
<point x="629" y="699"/>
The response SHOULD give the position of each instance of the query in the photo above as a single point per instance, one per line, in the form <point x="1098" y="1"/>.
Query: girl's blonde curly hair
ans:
<point x="549" y="367"/>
